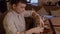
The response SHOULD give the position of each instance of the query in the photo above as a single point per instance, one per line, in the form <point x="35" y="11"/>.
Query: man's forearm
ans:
<point x="26" y="32"/>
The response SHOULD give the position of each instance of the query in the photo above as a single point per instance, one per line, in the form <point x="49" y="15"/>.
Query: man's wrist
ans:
<point x="25" y="32"/>
<point x="29" y="32"/>
<point x="18" y="32"/>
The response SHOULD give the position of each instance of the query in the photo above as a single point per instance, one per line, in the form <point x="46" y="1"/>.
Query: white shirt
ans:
<point x="14" y="22"/>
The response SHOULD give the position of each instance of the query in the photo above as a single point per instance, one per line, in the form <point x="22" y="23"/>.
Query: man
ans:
<point x="14" y="22"/>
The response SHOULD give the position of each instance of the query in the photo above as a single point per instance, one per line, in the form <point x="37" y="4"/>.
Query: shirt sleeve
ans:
<point x="28" y="13"/>
<point x="9" y="25"/>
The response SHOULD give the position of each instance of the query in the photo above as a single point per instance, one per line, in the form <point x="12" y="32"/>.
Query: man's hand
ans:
<point x="36" y="30"/>
<point x="33" y="30"/>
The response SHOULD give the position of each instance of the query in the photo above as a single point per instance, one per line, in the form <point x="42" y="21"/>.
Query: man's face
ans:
<point x="20" y="7"/>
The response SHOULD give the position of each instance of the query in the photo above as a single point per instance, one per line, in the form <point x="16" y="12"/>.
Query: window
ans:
<point x="33" y="2"/>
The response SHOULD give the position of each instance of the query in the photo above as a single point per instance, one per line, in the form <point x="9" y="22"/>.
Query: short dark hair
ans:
<point x="17" y="1"/>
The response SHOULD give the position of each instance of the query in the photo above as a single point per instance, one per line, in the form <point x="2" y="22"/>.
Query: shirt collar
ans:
<point x="15" y="12"/>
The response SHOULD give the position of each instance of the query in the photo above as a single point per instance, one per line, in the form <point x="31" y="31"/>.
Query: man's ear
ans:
<point x="14" y="6"/>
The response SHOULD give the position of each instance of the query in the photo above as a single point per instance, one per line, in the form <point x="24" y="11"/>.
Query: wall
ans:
<point x="41" y="2"/>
